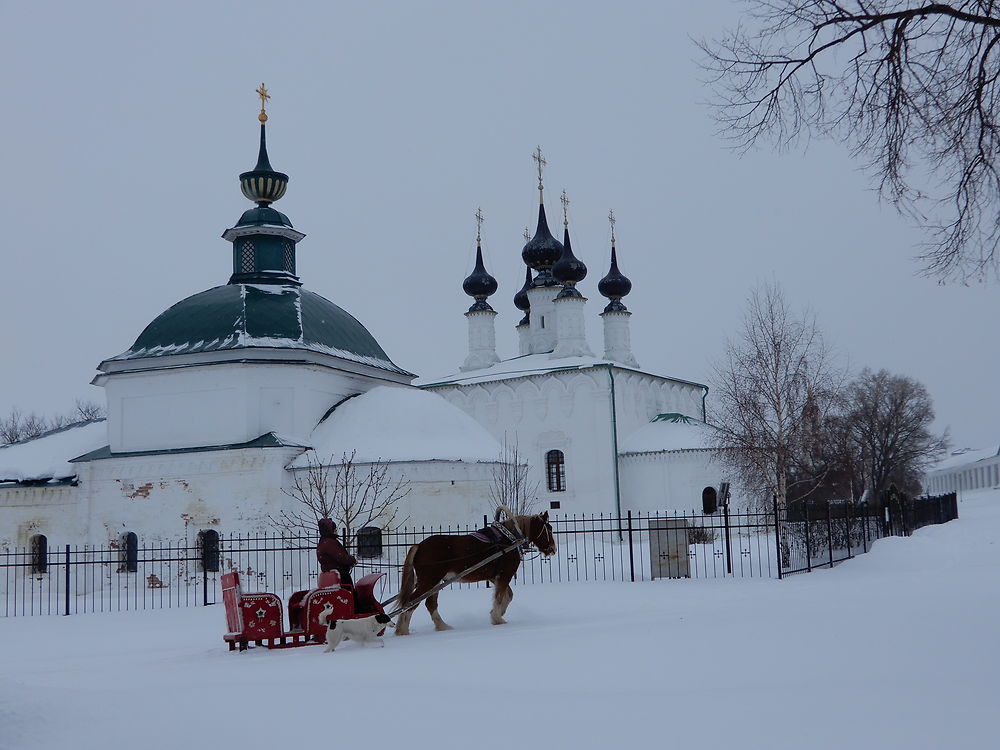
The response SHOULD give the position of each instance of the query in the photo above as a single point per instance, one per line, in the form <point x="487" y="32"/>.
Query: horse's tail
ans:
<point x="408" y="582"/>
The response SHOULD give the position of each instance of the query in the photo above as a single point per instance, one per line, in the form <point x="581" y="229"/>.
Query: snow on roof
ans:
<point x="400" y="424"/>
<point x="526" y="366"/>
<point x="47" y="456"/>
<point x="668" y="432"/>
<point x="963" y="456"/>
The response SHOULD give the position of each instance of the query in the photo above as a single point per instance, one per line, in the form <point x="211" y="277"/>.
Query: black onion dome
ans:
<point x="263" y="185"/>
<point x="542" y="250"/>
<point x="479" y="284"/>
<point x="569" y="269"/>
<point x="614" y="286"/>
<point x="521" y="301"/>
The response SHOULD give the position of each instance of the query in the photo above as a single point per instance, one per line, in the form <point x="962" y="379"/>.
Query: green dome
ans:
<point x="240" y="316"/>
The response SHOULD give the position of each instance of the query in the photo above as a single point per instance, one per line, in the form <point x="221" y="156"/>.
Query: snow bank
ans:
<point x="894" y="649"/>
<point x="47" y="456"/>
<point x="400" y="424"/>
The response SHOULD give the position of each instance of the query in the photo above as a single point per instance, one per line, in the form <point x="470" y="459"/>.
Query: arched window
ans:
<point x="208" y="541"/>
<point x="130" y="552"/>
<point x="555" y="471"/>
<point x="39" y="554"/>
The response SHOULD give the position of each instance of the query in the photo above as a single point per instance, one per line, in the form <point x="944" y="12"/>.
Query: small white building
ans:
<point x="965" y="469"/>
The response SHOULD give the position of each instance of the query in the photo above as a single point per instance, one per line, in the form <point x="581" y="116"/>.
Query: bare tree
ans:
<point x="774" y="381"/>
<point x="890" y="418"/>
<point x="511" y="485"/>
<point x="87" y="410"/>
<point x="911" y="86"/>
<point x="353" y="494"/>
<point x="19" y="426"/>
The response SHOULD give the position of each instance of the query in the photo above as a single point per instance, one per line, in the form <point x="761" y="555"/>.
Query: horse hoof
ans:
<point x="443" y="626"/>
<point x="401" y="631"/>
<point x="499" y="621"/>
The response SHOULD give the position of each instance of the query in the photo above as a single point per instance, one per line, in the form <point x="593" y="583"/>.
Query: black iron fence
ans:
<point x="69" y="579"/>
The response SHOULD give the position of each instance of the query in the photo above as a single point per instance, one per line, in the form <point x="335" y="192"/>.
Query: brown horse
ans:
<point x="439" y="556"/>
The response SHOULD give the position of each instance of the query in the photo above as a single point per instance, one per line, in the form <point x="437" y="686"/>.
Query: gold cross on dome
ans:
<point x="479" y="223"/>
<point x="540" y="162"/>
<point x="612" y="221"/>
<point x="565" y="202"/>
<point x="264" y="96"/>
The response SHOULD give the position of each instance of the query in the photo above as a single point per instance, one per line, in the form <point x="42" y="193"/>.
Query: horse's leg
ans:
<point x="502" y="596"/>
<point x="432" y="606"/>
<point x="421" y="588"/>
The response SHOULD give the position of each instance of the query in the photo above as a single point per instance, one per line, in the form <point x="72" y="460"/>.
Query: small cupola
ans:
<point x="521" y="301"/>
<point x="615" y="285"/>
<point x="568" y="270"/>
<point x="479" y="284"/>
<point x="543" y="250"/>
<point x="263" y="239"/>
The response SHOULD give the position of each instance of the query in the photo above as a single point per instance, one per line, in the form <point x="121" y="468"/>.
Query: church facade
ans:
<point x="231" y="395"/>
<point x="599" y="434"/>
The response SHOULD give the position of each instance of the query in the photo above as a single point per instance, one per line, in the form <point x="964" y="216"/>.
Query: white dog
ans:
<point x="362" y="629"/>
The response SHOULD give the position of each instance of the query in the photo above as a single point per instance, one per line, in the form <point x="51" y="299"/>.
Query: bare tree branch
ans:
<point x="910" y="86"/>
<point x="353" y="495"/>
<point x="511" y="485"/>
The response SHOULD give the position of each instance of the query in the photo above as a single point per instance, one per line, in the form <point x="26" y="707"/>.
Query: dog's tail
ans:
<point x="408" y="582"/>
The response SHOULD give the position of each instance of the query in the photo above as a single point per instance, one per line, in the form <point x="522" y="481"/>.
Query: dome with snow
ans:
<point x="238" y="316"/>
<point x="399" y="424"/>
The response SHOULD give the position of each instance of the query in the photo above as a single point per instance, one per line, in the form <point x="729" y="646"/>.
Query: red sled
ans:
<point x="258" y="617"/>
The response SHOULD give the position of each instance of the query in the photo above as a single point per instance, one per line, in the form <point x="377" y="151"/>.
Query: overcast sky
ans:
<point x="124" y="127"/>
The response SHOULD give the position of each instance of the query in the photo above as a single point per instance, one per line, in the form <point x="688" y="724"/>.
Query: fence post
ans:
<point x="848" y="517"/>
<point x="204" y="586"/>
<point x="829" y="532"/>
<point x="805" y="509"/>
<point x="729" y="540"/>
<point x="631" y="549"/>
<point x="486" y="524"/>
<point x="777" y="533"/>
<point x="66" y="595"/>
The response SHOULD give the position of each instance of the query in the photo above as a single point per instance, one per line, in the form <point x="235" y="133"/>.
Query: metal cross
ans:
<point x="540" y="161"/>
<point x="264" y="96"/>
<point x="612" y="221"/>
<point x="479" y="223"/>
<point x="527" y="234"/>
<point x="565" y="202"/>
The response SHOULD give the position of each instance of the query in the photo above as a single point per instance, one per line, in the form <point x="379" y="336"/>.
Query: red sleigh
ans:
<point x="258" y="617"/>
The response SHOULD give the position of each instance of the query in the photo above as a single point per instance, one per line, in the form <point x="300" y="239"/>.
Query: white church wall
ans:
<point x="57" y="512"/>
<point x="221" y="404"/>
<point x="667" y="481"/>
<point x="444" y="493"/>
<point x="567" y="411"/>
<point x="172" y="497"/>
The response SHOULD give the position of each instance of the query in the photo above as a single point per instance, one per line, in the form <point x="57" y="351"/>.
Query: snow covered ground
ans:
<point x="895" y="649"/>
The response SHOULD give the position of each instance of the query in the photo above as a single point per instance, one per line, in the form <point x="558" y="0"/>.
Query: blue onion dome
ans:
<point x="542" y="251"/>
<point x="521" y="301"/>
<point x="263" y="185"/>
<point x="614" y="286"/>
<point x="479" y="284"/>
<point x="569" y="270"/>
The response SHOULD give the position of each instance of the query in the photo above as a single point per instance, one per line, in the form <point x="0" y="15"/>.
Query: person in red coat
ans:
<point x="331" y="554"/>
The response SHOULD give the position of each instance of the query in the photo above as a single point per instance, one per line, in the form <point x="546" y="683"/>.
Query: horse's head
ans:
<point x="539" y="533"/>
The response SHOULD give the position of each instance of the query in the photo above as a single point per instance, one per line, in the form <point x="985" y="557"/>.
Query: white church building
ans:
<point x="223" y="397"/>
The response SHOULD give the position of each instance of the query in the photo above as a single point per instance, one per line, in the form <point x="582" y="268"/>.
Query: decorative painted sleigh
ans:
<point x="258" y="617"/>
